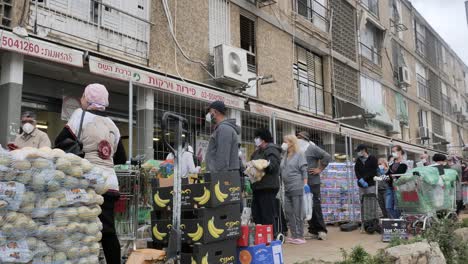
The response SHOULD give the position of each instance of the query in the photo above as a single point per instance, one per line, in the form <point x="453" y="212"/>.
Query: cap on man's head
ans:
<point x="218" y="106"/>
<point x="304" y="135"/>
<point x="361" y="147"/>
<point x="29" y="114"/>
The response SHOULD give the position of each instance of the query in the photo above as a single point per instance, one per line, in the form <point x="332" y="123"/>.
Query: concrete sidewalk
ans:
<point x="329" y="250"/>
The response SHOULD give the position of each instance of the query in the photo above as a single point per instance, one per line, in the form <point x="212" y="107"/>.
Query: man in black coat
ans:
<point x="264" y="206"/>
<point x="365" y="168"/>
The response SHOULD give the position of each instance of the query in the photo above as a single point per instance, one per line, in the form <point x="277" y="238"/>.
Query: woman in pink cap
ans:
<point x="101" y="145"/>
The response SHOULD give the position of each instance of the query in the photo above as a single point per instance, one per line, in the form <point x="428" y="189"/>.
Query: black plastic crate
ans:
<point x="216" y="189"/>
<point x="203" y="225"/>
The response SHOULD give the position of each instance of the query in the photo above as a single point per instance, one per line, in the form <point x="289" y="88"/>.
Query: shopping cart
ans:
<point x="126" y="209"/>
<point x="422" y="203"/>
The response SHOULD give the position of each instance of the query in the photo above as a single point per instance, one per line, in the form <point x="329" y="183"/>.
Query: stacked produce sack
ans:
<point x="49" y="207"/>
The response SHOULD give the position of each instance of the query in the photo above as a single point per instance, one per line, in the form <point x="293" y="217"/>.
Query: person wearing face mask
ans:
<point x="264" y="207"/>
<point x="102" y="146"/>
<point x="223" y="149"/>
<point x="294" y="177"/>
<point x="397" y="167"/>
<point x="29" y="135"/>
<point x="383" y="186"/>
<point x="366" y="168"/>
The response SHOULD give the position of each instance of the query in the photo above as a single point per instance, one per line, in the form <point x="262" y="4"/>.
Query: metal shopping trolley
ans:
<point x="126" y="209"/>
<point x="421" y="202"/>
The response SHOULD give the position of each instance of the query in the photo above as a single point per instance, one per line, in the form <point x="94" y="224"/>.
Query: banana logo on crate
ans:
<point x="213" y="230"/>
<point x="197" y="234"/>
<point x="204" y="260"/>
<point x="204" y="198"/>
<point x="158" y="235"/>
<point x="219" y="195"/>
<point x="159" y="201"/>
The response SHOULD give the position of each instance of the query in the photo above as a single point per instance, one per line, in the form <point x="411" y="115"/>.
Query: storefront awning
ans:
<point x="156" y="81"/>
<point x="303" y="120"/>
<point x="365" y="136"/>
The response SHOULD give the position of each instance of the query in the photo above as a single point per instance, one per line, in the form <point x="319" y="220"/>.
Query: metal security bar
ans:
<point x="314" y="11"/>
<point x="118" y="30"/>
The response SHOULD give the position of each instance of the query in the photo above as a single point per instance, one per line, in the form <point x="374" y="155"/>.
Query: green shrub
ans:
<point x="359" y="256"/>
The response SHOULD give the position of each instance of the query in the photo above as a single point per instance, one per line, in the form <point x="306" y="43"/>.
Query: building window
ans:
<point x="308" y="74"/>
<point x="371" y="43"/>
<point x="396" y="22"/>
<point x="420" y="33"/>
<point x="423" y="119"/>
<point x="421" y="78"/>
<point x="218" y="23"/>
<point x="372" y="6"/>
<point x="315" y="11"/>
<point x="247" y="41"/>
<point x="448" y="130"/>
<point x="402" y="109"/>
<point x="372" y="97"/>
<point x="446" y="104"/>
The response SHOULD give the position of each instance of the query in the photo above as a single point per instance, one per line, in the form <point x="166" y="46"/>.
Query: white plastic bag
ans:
<point x="308" y="205"/>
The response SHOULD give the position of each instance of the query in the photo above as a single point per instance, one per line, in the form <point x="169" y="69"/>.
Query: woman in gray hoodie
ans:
<point x="294" y="176"/>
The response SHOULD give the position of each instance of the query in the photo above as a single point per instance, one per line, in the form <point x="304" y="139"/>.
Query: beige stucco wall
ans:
<point x="275" y="56"/>
<point x="191" y="20"/>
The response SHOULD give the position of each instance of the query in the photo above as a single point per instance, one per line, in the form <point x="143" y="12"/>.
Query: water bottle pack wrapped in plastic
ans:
<point x="49" y="207"/>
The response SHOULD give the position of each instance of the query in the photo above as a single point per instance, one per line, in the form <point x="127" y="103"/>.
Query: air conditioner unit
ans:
<point x="424" y="133"/>
<point x="396" y="128"/>
<point x="404" y="76"/>
<point x="230" y="65"/>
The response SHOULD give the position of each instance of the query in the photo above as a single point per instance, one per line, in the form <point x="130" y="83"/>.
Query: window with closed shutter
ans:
<point x="247" y="39"/>
<point x="308" y="74"/>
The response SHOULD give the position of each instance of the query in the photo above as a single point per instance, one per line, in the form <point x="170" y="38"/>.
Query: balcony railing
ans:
<point x="94" y="25"/>
<point x="315" y="12"/>
<point x="372" y="54"/>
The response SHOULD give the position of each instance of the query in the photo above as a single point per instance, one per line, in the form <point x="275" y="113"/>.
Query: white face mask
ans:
<point x="240" y="154"/>
<point x="381" y="167"/>
<point x="28" y="128"/>
<point x="285" y="146"/>
<point x="209" y="118"/>
<point x="395" y="154"/>
<point x="258" y="142"/>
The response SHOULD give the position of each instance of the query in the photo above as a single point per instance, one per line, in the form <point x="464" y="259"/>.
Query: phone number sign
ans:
<point x="41" y="49"/>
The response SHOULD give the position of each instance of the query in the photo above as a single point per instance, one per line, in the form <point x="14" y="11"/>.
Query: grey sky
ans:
<point x="448" y="18"/>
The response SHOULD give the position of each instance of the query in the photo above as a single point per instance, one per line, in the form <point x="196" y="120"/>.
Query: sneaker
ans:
<point x="322" y="236"/>
<point x="298" y="241"/>
<point x="289" y="240"/>
<point x="311" y="236"/>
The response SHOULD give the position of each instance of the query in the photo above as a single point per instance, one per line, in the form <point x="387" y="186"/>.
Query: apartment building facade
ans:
<point x="346" y="71"/>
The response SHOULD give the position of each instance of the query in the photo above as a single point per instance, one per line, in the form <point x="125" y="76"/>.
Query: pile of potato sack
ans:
<point x="49" y="207"/>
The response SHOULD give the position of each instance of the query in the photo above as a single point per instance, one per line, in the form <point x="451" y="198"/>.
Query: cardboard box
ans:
<point x="225" y="219"/>
<point x="263" y="235"/>
<point x="261" y="254"/>
<point x="222" y="252"/>
<point x="220" y="188"/>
